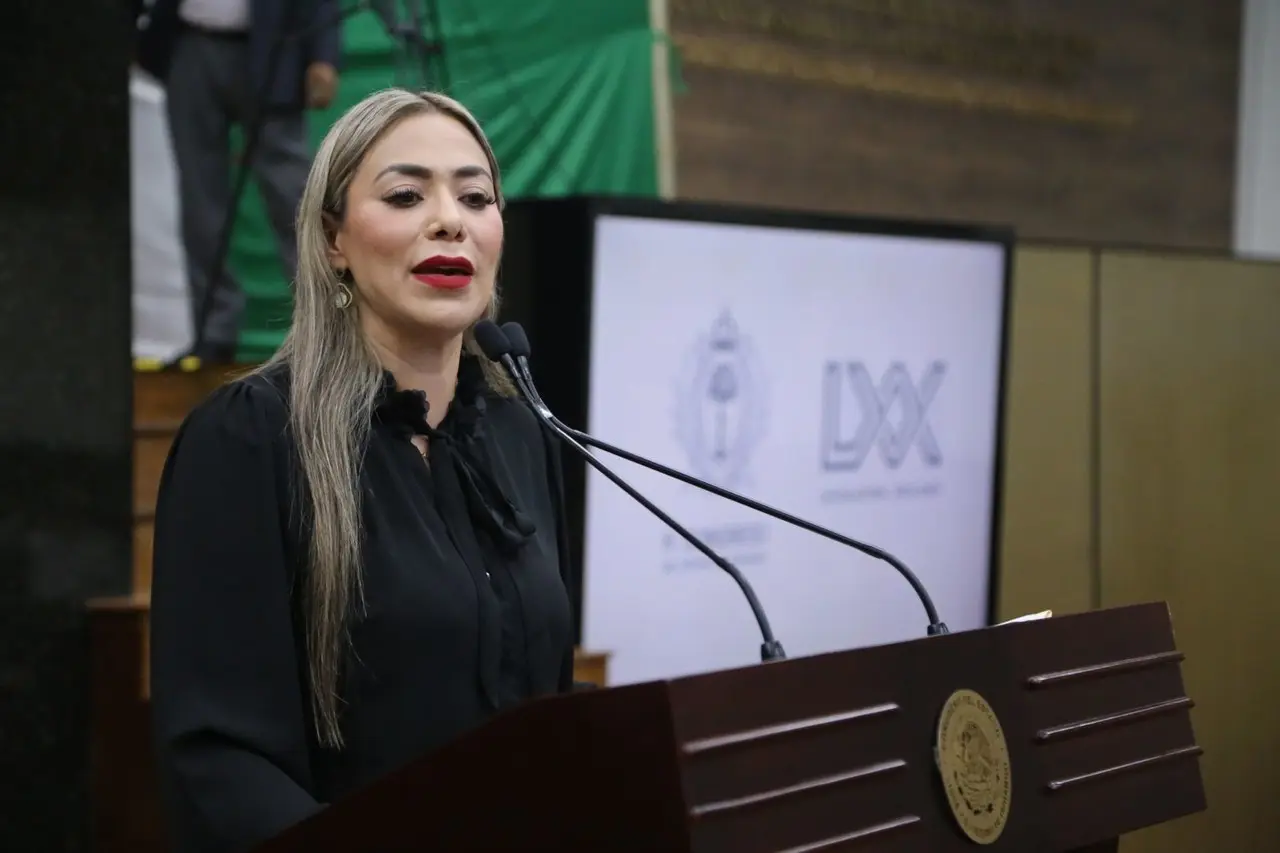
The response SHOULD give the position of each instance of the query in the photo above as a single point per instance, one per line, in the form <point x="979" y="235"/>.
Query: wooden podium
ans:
<point x="1052" y="735"/>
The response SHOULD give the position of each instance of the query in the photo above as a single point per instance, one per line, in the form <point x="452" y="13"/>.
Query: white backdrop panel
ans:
<point x="850" y="379"/>
<point x="162" y="323"/>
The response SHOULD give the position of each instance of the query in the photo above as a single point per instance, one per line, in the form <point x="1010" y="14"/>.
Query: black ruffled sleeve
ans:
<point x="230" y="715"/>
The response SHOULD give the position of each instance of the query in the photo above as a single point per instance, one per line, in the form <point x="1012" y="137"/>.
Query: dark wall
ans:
<point x="65" y="393"/>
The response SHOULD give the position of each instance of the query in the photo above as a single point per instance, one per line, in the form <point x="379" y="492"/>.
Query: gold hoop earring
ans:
<point x="342" y="298"/>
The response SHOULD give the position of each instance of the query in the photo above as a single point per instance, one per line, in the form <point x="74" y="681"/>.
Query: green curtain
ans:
<point x="563" y="89"/>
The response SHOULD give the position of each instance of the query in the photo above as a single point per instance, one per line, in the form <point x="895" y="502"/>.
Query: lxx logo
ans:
<point x="859" y="414"/>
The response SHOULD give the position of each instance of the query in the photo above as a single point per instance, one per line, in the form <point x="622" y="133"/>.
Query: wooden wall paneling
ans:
<point x="1047" y="538"/>
<point x="1065" y="120"/>
<point x="1190" y="511"/>
<point x="124" y="802"/>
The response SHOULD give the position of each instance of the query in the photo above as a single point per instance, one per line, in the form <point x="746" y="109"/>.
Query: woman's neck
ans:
<point x="432" y="368"/>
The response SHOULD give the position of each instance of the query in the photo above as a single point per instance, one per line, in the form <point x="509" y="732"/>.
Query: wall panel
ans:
<point x="1065" y="120"/>
<point x="1047" y="540"/>
<point x="1190" y="510"/>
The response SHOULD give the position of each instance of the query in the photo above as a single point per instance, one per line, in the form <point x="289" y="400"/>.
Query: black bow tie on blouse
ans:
<point x="455" y="443"/>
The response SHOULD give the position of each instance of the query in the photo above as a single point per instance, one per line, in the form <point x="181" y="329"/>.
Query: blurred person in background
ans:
<point x="214" y="58"/>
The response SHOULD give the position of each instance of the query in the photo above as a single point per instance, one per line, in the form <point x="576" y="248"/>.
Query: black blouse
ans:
<point x="465" y="578"/>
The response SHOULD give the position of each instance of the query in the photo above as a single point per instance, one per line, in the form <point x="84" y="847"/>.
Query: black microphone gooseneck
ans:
<point x="497" y="348"/>
<point x="519" y="354"/>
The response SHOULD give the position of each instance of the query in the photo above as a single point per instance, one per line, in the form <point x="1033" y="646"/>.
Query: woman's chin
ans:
<point x="444" y="320"/>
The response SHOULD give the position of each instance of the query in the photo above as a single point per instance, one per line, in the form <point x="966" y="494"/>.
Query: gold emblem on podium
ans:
<point x="973" y="759"/>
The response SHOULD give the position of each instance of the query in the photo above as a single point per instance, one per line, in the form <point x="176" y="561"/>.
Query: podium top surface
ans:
<point x="1091" y="708"/>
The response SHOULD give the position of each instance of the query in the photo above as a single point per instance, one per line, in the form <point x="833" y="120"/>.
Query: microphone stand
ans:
<point x="770" y="648"/>
<point x="257" y="117"/>
<point x="936" y="625"/>
<point x="252" y="134"/>
<point x="412" y="43"/>
<point x="433" y="48"/>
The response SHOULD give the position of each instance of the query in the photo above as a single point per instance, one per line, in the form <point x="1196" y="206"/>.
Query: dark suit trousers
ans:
<point x="208" y="89"/>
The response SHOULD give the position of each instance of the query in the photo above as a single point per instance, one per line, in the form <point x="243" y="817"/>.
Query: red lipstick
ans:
<point x="445" y="273"/>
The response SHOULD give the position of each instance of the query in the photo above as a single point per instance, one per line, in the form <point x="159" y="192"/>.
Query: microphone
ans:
<point x="496" y="347"/>
<point x="519" y="355"/>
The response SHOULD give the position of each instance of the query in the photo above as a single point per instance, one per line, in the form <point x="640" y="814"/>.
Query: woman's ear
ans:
<point x="333" y="243"/>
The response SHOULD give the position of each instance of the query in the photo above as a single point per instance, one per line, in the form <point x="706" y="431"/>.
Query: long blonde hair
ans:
<point x="335" y="382"/>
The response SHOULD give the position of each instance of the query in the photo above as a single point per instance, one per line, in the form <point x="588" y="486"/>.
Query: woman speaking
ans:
<point x="359" y="547"/>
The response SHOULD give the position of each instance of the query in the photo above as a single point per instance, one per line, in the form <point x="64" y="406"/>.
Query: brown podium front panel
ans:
<point x="1051" y="735"/>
